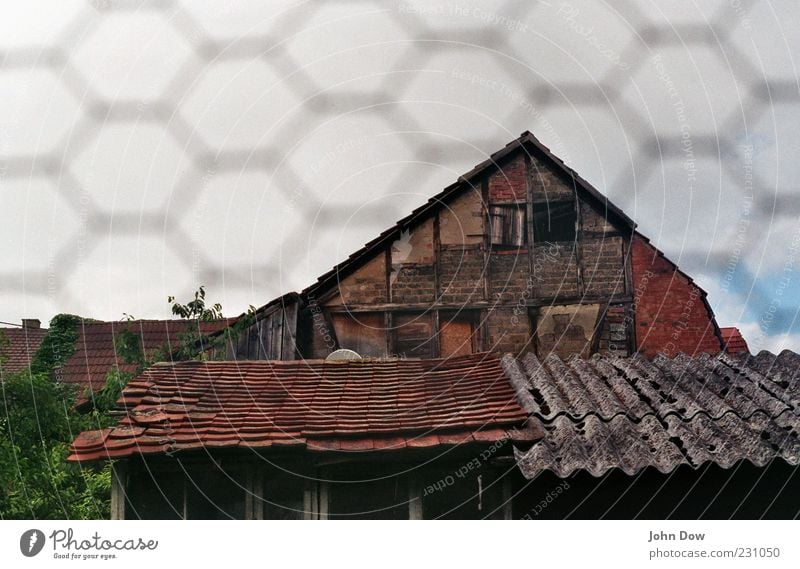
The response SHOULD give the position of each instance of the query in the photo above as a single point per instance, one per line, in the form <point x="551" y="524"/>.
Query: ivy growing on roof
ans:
<point x="58" y="345"/>
<point x="36" y="425"/>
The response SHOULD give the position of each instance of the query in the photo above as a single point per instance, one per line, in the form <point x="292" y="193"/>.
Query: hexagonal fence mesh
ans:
<point x="150" y="147"/>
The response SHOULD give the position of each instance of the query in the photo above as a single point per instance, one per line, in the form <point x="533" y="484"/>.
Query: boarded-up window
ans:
<point x="554" y="221"/>
<point x="364" y="333"/>
<point x="457" y="334"/>
<point x="413" y="335"/>
<point x="507" y="225"/>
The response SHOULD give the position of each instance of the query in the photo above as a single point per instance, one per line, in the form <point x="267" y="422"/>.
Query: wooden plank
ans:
<point x="543" y="301"/>
<point x="310" y="500"/>
<point x="414" y="335"/>
<point x="323" y="500"/>
<point x="508" y="502"/>
<point x="119" y="481"/>
<point x="414" y="500"/>
<point x="289" y="332"/>
<point x="363" y="333"/>
<point x="437" y="246"/>
<point x="456" y="338"/>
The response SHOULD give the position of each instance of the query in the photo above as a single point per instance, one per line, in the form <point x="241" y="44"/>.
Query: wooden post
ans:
<point x="310" y="501"/>
<point x="508" y="509"/>
<point x="185" y="494"/>
<point x="253" y="501"/>
<point x="414" y="501"/>
<point x="323" y="500"/>
<point x="119" y="481"/>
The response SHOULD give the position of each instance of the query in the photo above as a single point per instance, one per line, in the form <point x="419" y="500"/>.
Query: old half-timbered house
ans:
<point x="522" y="352"/>
<point x="518" y="255"/>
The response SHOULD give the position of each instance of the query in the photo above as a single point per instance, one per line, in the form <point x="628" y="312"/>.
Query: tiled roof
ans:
<point x="733" y="341"/>
<point x="369" y="405"/>
<point x="18" y="349"/>
<point x="95" y="353"/>
<point x="630" y="413"/>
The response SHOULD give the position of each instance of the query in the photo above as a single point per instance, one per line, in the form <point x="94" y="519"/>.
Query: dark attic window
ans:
<point x="507" y="225"/>
<point x="554" y="221"/>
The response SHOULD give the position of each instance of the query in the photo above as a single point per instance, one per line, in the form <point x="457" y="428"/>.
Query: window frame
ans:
<point x="507" y="225"/>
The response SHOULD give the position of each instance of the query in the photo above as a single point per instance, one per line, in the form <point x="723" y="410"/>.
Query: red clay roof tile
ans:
<point x="261" y="404"/>
<point x="95" y="354"/>
<point x="733" y="341"/>
<point x="17" y="347"/>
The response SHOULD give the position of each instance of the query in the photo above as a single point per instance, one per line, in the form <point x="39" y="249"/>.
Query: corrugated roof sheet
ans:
<point x="20" y="346"/>
<point x="95" y="353"/>
<point x="630" y="413"/>
<point x="372" y="405"/>
<point x="733" y="341"/>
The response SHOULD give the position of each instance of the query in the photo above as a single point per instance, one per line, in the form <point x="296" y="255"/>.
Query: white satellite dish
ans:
<point x="342" y="355"/>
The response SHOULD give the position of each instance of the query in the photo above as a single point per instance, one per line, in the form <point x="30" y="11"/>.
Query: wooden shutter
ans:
<point x="364" y="333"/>
<point x="496" y="224"/>
<point x="455" y="338"/>
<point x="507" y="225"/>
<point x="516" y="227"/>
<point x="413" y="335"/>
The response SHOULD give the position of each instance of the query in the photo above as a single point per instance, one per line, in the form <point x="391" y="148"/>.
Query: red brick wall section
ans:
<point x="671" y="313"/>
<point x="508" y="183"/>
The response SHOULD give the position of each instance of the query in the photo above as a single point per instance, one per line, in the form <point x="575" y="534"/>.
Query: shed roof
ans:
<point x="630" y="413"/>
<point x="318" y="405"/>
<point x="593" y="414"/>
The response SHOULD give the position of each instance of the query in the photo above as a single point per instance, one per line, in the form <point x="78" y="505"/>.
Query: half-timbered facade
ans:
<point x="519" y="255"/>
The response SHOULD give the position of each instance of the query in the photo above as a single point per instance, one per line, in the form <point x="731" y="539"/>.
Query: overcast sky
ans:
<point x="149" y="148"/>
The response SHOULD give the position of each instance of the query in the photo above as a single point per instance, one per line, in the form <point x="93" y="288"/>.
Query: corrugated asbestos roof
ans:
<point x="371" y="405"/>
<point x="18" y="348"/>
<point x="630" y="413"/>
